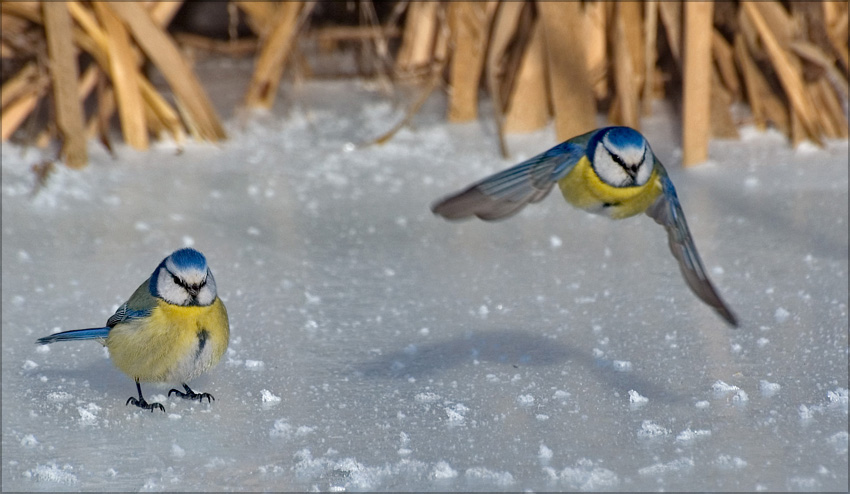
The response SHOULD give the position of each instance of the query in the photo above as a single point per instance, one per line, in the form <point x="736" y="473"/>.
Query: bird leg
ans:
<point x="141" y="403"/>
<point x="191" y="395"/>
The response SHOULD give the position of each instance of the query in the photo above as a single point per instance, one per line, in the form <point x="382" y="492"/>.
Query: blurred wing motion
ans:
<point x="505" y="193"/>
<point x="668" y="212"/>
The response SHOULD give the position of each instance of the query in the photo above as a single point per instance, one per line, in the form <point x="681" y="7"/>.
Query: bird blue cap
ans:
<point x="188" y="258"/>
<point x="621" y="137"/>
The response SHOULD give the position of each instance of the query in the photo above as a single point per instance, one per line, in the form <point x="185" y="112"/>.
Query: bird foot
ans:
<point x="191" y="395"/>
<point x="144" y="404"/>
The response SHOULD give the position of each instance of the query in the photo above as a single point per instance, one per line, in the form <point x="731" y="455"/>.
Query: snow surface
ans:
<point x="375" y="346"/>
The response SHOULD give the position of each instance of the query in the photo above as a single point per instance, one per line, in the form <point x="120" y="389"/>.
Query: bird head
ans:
<point x="183" y="278"/>
<point x="621" y="157"/>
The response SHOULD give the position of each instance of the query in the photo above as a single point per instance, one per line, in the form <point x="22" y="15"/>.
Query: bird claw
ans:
<point x="144" y="404"/>
<point x="191" y="395"/>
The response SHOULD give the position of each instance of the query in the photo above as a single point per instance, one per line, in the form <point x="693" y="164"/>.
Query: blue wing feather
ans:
<point x="505" y="193"/>
<point x="667" y="211"/>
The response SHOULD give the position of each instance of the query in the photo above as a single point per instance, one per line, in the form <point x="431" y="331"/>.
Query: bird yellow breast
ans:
<point x="584" y="189"/>
<point x="173" y="344"/>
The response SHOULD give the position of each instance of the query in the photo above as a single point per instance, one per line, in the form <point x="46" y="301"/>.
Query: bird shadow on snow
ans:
<point x="511" y="348"/>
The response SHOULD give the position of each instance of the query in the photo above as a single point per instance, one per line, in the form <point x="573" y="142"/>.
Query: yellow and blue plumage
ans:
<point x="172" y="329"/>
<point x="610" y="171"/>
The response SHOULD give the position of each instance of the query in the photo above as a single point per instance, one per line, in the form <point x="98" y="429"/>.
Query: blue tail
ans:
<point x="76" y="334"/>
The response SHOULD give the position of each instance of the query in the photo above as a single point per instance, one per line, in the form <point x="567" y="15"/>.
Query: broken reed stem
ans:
<point x="696" y="107"/>
<point x="64" y="73"/>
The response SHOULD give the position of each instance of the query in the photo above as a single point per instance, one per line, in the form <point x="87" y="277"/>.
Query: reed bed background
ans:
<point x="74" y="71"/>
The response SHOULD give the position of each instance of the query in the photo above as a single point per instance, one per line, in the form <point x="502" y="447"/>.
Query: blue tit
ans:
<point x="173" y="329"/>
<point x="611" y="172"/>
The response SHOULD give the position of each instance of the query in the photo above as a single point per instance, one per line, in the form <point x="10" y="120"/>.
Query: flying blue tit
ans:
<point x="611" y="172"/>
<point x="173" y="329"/>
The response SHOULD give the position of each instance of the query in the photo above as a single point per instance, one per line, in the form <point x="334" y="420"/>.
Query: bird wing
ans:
<point x="505" y="193"/>
<point x="140" y="305"/>
<point x="667" y="211"/>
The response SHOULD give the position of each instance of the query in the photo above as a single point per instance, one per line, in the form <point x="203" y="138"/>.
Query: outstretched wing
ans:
<point x="667" y="211"/>
<point x="505" y="193"/>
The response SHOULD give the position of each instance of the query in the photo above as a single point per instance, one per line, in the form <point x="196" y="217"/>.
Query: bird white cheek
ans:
<point x="206" y="296"/>
<point x="608" y="170"/>
<point x="644" y="173"/>
<point x="170" y="291"/>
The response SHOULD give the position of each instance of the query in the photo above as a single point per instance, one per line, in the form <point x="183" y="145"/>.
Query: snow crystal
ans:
<point x="427" y="397"/>
<point x="636" y="398"/>
<point x="485" y="475"/>
<point x="269" y="397"/>
<point x="728" y="462"/>
<point x="29" y="441"/>
<point x="254" y="365"/>
<point x="839" y="441"/>
<point x="622" y="365"/>
<point x="781" y="315"/>
<point x="768" y="389"/>
<point x="649" y="428"/>
<point x="525" y="400"/>
<point x="177" y="451"/>
<point x="442" y="470"/>
<point x="585" y="476"/>
<point x="52" y="473"/>
<point x="671" y="466"/>
<point x="689" y="435"/>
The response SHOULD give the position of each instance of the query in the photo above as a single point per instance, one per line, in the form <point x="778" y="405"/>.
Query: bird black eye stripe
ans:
<point x="616" y="157"/>
<point x="184" y="285"/>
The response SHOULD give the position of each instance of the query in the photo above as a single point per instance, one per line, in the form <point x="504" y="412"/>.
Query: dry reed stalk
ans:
<point x="162" y="51"/>
<point x="431" y="85"/>
<point x="528" y="107"/>
<point x="836" y="18"/>
<point x="596" y="43"/>
<point x="94" y="40"/>
<point x="829" y="100"/>
<point x="625" y="108"/>
<point x="163" y="11"/>
<point x="19" y="84"/>
<point x="790" y="78"/>
<point x="418" y="41"/>
<point x="273" y="55"/>
<point x="15" y="112"/>
<point x="722" y="123"/>
<point x="469" y="23"/>
<point x="510" y="28"/>
<point x="64" y="73"/>
<point x="696" y="107"/>
<point x="671" y="18"/>
<point x="571" y="90"/>
<point x="815" y="55"/>
<point x="123" y="69"/>
<point x="509" y="25"/>
<point x="236" y="48"/>
<point x="725" y="60"/>
<point x="260" y="16"/>
<point x="650" y="57"/>
<point x="631" y="13"/>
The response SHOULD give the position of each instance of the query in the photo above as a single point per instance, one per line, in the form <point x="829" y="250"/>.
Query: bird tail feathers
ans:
<point x="76" y="334"/>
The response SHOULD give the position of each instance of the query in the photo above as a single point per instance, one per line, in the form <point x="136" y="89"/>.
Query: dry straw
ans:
<point x="82" y="63"/>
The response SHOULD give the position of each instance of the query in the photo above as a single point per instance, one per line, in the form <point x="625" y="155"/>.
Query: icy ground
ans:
<point x="377" y="347"/>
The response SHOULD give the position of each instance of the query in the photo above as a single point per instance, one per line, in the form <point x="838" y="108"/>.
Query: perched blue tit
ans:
<point x="173" y="329"/>
<point x="610" y="172"/>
